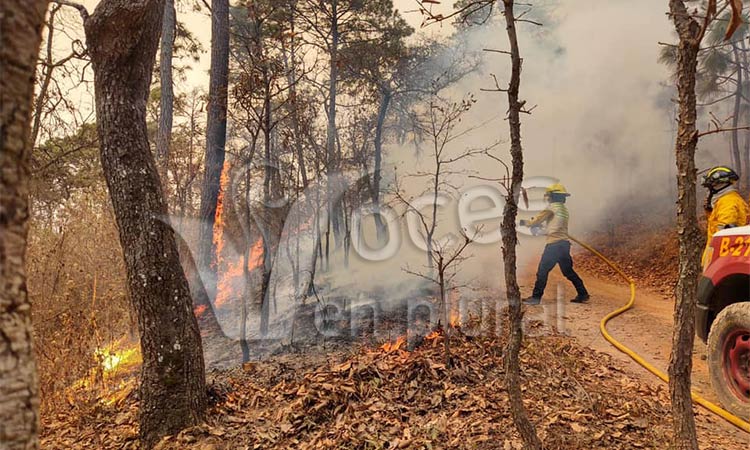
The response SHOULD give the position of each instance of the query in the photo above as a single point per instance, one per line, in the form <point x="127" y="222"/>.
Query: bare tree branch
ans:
<point x="81" y="9"/>
<point x="723" y="130"/>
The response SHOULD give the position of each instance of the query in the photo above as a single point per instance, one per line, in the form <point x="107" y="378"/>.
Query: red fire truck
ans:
<point x="722" y="317"/>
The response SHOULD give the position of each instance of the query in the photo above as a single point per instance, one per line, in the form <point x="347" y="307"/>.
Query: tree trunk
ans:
<point x="736" y="158"/>
<point x="216" y="135"/>
<point x="21" y="23"/>
<point x="446" y="312"/>
<point x="746" y="150"/>
<point x="122" y="38"/>
<point x="166" y="102"/>
<point x="332" y="162"/>
<point x="510" y="241"/>
<point x="49" y="67"/>
<point x="385" y="101"/>
<point x="290" y="67"/>
<point x="680" y="364"/>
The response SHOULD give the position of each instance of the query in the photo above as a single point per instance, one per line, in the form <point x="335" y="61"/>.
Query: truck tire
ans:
<point x="729" y="358"/>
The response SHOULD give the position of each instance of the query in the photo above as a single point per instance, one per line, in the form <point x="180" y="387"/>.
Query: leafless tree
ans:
<point x="439" y="122"/>
<point x="510" y="239"/>
<point x="446" y="259"/>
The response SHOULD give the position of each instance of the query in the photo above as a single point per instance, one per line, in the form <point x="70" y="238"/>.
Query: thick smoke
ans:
<point x="602" y="123"/>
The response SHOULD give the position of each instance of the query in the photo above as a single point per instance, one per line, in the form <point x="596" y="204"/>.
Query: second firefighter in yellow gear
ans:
<point x="724" y="206"/>
<point x="557" y="250"/>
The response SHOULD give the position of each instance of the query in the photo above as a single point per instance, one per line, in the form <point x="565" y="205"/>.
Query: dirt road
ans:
<point x="647" y="329"/>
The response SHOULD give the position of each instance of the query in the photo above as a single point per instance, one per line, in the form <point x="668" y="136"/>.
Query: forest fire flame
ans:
<point x="230" y="270"/>
<point x="113" y="377"/>
<point x="112" y="359"/>
<point x="455" y="319"/>
<point x="433" y="335"/>
<point x="230" y="277"/>
<point x="390" y="347"/>
<point x="219" y="220"/>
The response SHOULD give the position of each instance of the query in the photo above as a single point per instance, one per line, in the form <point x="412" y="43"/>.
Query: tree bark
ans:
<point x="21" y="25"/>
<point x="736" y="158"/>
<point x="746" y="148"/>
<point x="166" y="102"/>
<point x="510" y="241"/>
<point x="680" y="364"/>
<point x="216" y="135"/>
<point x="385" y="101"/>
<point x="332" y="160"/>
<point x="122" y="38"/>
<point x="204" y="282"/>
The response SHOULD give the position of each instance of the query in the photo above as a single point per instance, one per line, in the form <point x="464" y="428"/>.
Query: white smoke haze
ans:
<point x="602" y="124"/>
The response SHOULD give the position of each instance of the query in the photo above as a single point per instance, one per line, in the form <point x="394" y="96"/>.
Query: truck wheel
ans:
<point x="729" y="358"/>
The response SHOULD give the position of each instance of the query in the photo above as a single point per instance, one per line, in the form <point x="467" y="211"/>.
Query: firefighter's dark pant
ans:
<point x="557" y="253"/>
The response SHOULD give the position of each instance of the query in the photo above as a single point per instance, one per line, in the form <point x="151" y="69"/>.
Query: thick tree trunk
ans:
<point x="166" y="102"/>
<point x="21" y="25"/>
<point x="122" y="38"/>
<point x="510" y="241"/>
<point x="681" y="361"/>
<point x="216" y="133"/>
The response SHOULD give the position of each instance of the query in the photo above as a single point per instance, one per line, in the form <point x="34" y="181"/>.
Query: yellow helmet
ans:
<point x="719" y="175"/>
<point x="557" y="188"/>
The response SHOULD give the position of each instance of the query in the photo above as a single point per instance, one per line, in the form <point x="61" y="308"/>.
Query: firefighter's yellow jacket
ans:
<point x="730" y="209"/>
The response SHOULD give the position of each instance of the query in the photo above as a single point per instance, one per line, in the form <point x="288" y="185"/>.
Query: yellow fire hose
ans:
<point x="716" y="409"/>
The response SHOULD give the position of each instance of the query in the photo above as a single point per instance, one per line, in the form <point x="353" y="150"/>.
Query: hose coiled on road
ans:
<point x="714" y="408"/>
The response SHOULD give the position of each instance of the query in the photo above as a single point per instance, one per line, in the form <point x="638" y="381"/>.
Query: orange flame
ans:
<point x="199" y="310"/>
<point x="390" y="347"/>
<point x="433" y="335"/>
<point x="230" y="278"/>
<point x="218" y="238"/>
<point x="230" y="271"/>
<point x="455" y="320"/>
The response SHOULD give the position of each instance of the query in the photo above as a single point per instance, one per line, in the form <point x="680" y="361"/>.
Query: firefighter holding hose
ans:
<point x="725" y="207"/>
<point x="557" y="251"/>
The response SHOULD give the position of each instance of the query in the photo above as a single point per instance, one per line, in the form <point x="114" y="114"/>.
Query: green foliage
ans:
<point x="376" y="60"/>
<point x="717" y="72"/>
<point x="63" y="166"/>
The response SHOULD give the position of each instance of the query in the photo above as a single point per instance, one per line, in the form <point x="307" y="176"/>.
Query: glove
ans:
<point x="536" y="231"/>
